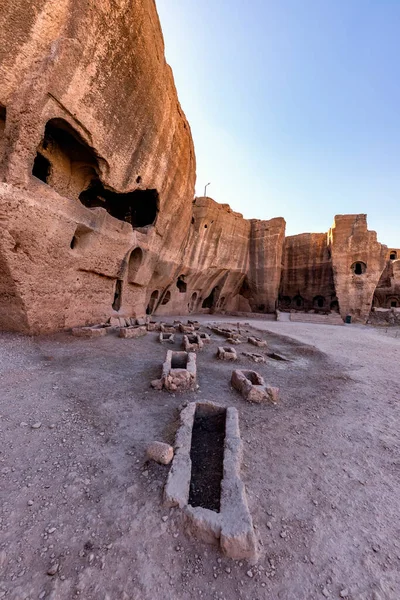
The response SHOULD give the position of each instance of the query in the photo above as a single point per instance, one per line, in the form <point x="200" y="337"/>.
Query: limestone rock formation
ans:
<point x="97" y="173"/>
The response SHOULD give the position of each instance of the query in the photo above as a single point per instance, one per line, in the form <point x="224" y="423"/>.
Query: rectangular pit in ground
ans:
<point x="179" y="360"/>
<point x="207" y="456"/>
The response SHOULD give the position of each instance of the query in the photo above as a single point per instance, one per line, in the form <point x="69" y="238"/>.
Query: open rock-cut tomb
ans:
<point x="213" y="451"/>
<point x="253" y="388"/>
<point x="179" y="373"/>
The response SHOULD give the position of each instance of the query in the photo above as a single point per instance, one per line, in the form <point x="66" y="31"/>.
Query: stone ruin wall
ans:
<point x="97" y="181"/>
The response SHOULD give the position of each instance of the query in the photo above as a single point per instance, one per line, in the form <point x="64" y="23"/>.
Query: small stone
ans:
<point x="165" y="518"/>
<point x="344" y="593"/>
<point x="42" y="595"/>
<point x="269" y="524"/>
<point x="36" y="425"/>
<point x="51" y="530"/>
<point x="53" y="569"/>
<point x="30" y="502"/>
<point x="23" y="424"/>
<point x="228" y="570"/>
<point x="160" y="453"/>
<point x="325" y="592"/>
<point x="249" y="574"/>
<point x="52" y="426"/>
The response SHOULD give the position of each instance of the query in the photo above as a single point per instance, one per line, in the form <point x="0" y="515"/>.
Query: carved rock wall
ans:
<point x="358" y="261"/>
<point x="307" y="275"/>
<point x="97" y="173"/>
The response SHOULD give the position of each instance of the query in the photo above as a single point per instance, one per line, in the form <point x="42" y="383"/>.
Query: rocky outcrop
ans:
<point x="97" y="173"/>
<point x="358" y="260"/>
<point x="307" y="275"/>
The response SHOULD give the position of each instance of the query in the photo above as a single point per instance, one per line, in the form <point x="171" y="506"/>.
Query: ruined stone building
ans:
<point x="97" y="179"/>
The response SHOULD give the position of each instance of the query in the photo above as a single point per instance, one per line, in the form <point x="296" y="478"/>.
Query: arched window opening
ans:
<point x="359" y="268"/>
<point x="181" y="284"/>
<point x="319" y="302"/>
<point x="64" y="160"/>
<point x="167" y="298"/>
<point x="193" y="301"/>
<point x="41" y="168"/>
<point x="117" y="295"/>
<point x="3" y="114"/>
<point x="298" y="302"/>
<point x="139" y="208"/>
<point x="393" y="255"/>
<point x="210" y="300"/>
<point x="135" y="260"/>
<point x="334" y="306"/>
<point x="285" y="302"/>
<point x="393" y="303"/>
<point x="152" y="302"/>
<point x="245" y="289"/>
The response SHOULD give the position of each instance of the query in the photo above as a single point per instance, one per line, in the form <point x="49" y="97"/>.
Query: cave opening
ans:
<point x="167" y="298"/>
<point x="117" y="302"/>
<point x="181" y="284"/>
<point x="139" y="208"/>
<point x="152" y="303"/>
<point x="359" y="268"/>
<point x="135" y="261"/>
<point x="210" y="300"/>
<point x="393" y="255"/>
<point x="41" y="168"/>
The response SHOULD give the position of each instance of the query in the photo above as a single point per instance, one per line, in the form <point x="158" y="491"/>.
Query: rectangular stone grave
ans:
<point x="226" y="353"/>
<point x="192" y="342"/>
<point x="179" y="372"/>
<point x="168" y="338"/>
<point x="133" y="332"/>
<point x="204" y="479"/>
<point x="253" y="388"/>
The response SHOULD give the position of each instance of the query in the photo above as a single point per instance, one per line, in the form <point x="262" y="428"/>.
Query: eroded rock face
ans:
<point x="97" y="173"/>
<point x="358" y="260"/>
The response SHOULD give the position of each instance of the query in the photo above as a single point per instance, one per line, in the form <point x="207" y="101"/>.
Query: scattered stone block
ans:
<point x="153" y="326"/>
<point x="235" y="341"/>
<point x="195" y="324"/>
<point x="168" y="338"/>
<point x="168" y="328"/>
<point x="192" y="343"/>
<point x="186" y="328"/>
<point x="132" y="332"/>
<point x="257" y="358"/>
<point x="252" y="387"/>
<point x="140" y="320"/>
<point x="90" y="332"/>
<point x="256" y="341"/>
<point x="226" y="353"/>
<point x="160" y="453"/>
<point x="114" y="322"/>
<point x="179" y="372"/>
<point x="205" y="338"/>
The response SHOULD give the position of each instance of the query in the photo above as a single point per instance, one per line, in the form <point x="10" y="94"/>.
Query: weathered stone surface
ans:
<point x="226" y="353"/>
<point x="160" y="452"/>
<point x="192" y="343"/>
<point x="132" y="332"/>
<point x="255" y="341"/>
<point x="89" y="331"/>
<point x="252" y="387"/>
<point x="97" y="172"/>
<point x="179" y="373"/>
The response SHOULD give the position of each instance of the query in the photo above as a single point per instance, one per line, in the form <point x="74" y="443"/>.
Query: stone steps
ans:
<point x="332" y="319"/>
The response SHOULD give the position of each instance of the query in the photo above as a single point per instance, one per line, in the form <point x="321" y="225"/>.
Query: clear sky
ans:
<point x="294" y="106"/>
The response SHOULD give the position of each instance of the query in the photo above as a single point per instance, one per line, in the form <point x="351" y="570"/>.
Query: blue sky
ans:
<point x="294" y="106"/>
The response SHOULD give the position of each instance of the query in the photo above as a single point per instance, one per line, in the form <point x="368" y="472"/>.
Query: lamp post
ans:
<point x="205" y="190"/>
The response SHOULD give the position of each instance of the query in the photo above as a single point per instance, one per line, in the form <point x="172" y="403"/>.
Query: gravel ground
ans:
<point x="81" y="509"/>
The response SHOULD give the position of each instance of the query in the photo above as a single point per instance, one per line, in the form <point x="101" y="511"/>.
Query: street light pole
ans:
<point x="205" y="190"/>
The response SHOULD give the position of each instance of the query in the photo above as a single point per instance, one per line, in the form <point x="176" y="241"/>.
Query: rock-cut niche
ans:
<point x="66" y="163"/>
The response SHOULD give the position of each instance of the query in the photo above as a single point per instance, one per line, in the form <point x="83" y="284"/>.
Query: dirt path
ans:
<point x="322" y="470"/>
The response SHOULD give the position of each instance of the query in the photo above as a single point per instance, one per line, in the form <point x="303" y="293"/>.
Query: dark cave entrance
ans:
<point x="117" y="295"/>
<point x="139" y="208"/>
<point x="209" y="302"/>
<point x="41" y="168"/>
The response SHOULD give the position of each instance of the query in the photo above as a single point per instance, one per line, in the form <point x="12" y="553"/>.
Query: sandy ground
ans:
<point x="322" y="470"/>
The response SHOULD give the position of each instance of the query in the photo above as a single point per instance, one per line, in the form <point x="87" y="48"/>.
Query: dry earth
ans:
<point x="322" y="470"/>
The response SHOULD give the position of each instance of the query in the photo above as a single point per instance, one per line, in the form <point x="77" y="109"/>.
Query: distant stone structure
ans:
<point x="97" y="177"/>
